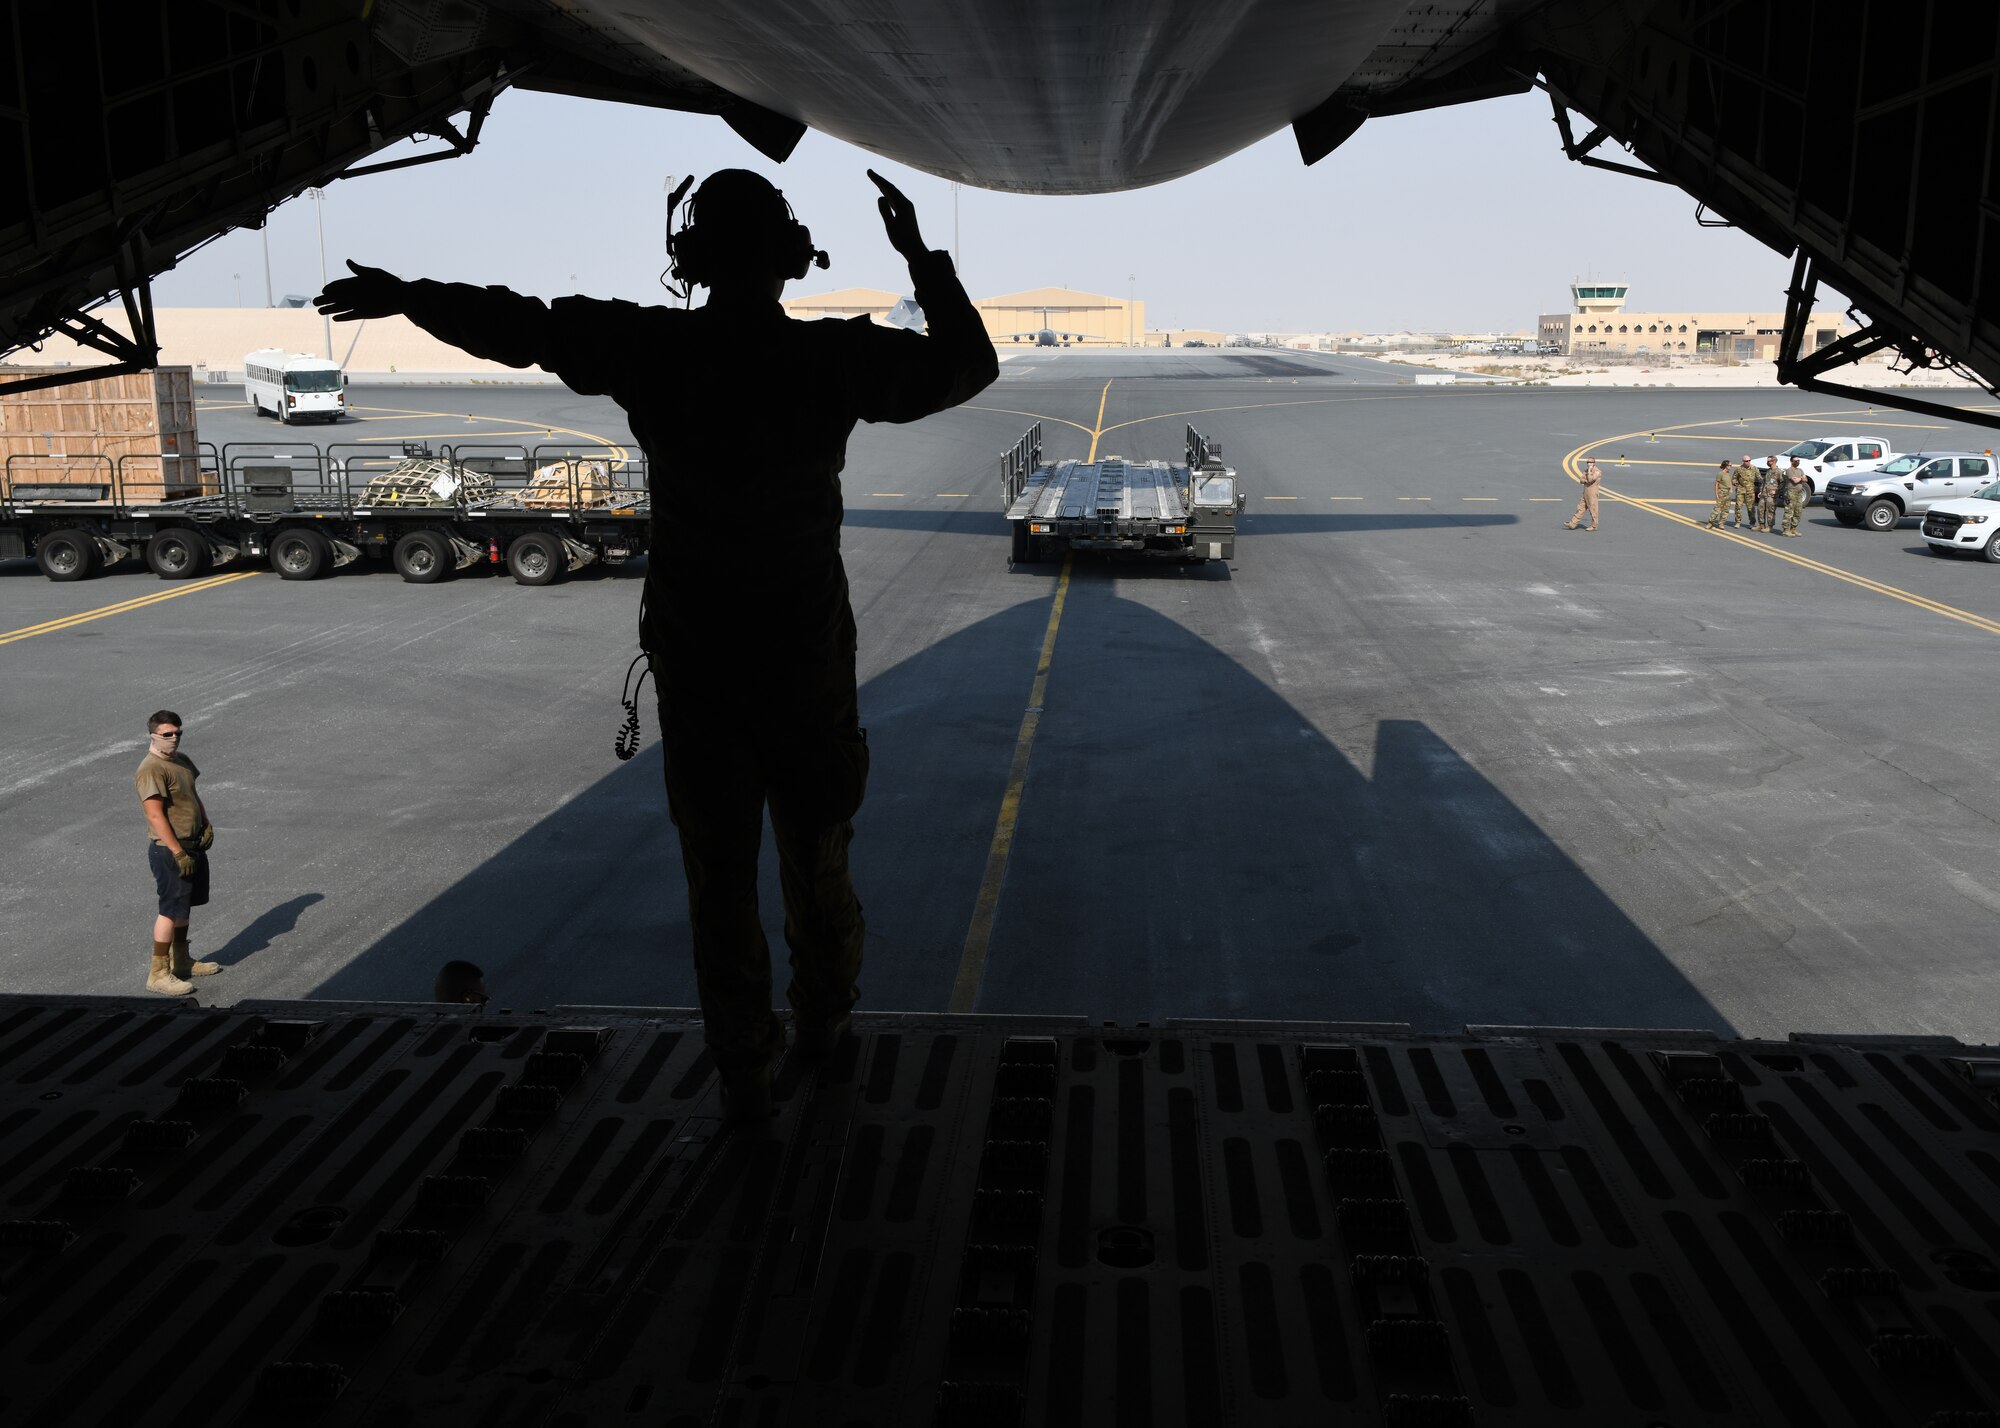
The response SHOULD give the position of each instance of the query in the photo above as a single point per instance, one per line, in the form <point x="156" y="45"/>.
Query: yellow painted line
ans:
<point x="1545" y="498"/>
<point x="49" y="627"/>
<point x="1413" y="498"/>
<point x="1346" y="498"/>
<point x="402" y="412"/>
<point x="1261" y="406"/>
<point x="885" y="493"/>
<point x="1675" y="500"/>
<point x="1097" y="431"/>
<point x="1645" y="461"/>
<point x="450" y="435"/>
<point x="1910" y="425"/>
<point x="1281" y="498"/>
<point x="1038" y="416"/>
<point x="951" y="495"/>
<point x="1572" y="467"/>
<point x="986" y="909"/>
<point x="1479" y="498"/>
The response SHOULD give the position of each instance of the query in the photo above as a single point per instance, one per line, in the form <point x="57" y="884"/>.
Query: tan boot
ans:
<point x="182" y="966"/>
<point x="162" y="978"/>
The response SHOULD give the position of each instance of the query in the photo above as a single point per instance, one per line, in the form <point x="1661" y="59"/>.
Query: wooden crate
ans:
<point x="78" y="435"/>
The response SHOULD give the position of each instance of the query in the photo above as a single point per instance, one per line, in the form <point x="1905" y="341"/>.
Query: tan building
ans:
<point x="1598" y="323"/>
<point x="846" y="302"/>
<point x="1182" y="336"/>
<point x="1012" y="319"/>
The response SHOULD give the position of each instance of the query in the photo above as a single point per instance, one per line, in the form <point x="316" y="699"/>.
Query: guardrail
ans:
<point x="1019" y="464"/>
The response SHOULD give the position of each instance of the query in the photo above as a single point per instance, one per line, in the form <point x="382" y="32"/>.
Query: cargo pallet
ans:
<point x="542" y="512"/>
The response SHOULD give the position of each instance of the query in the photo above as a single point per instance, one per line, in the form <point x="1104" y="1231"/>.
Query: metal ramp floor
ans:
<point x="386" y="1214"/>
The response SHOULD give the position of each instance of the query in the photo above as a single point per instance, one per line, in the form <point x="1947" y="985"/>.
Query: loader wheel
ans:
<point x="423" y="558"/>
<point x="1022" y="544"/>
<point x="177" y="554"/>
<point x="67" y="555"/>
<point x="536" y="559"/>
<point x="301" y="555"/>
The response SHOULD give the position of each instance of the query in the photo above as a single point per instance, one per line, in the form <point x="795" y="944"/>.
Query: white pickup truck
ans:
<point x="1826" y="457"/>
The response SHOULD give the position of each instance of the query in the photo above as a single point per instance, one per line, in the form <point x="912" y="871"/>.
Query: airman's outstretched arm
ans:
<point x="495" y="323"/>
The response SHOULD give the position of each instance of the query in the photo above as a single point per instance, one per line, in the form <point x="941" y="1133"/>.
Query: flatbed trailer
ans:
<point x="1158" y="509"/>
<point x="542" y="512"/>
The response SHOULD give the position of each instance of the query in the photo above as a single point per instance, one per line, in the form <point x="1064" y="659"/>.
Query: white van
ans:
<point x="292" y="386"/>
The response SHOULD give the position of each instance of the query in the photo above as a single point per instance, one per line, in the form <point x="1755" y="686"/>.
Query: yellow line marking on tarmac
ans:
<point x="1645" y="461"/>
<point x="1912" y="425"/>
<point x="623" y="454"/>
<point x="84" y="617"/>
<point x="1097" y="431"/>
<point x="885" y="493"/>
<point x="1281" y="498"/>
<point x="449" y="435"/>
<point x="979" y="936"/>
<point x="1572" y="468"/>
<point x="1478" y="498"/>
<point x="1259" y="406"/>
<point x="1038" y="416"/>
<point x="1545" y="498"/>
<point x="1346" y="498"/>
<point x="1413" y="498"/>
<point x="951" y="495"/>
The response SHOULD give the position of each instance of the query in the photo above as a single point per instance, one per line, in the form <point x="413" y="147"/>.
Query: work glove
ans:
<point x="207" y="837"/>
<point x="184" y="860"/>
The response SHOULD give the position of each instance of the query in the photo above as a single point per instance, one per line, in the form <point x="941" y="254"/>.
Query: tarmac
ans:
<point x="1418" y="754"/>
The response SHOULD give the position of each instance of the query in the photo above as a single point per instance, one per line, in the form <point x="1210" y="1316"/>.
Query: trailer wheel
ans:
<point x="1019" y="553"/>
<point x="177" y="553"/>
<point x="300" y="555"/>
<point x="536" y="559"/>
<point x="422" y="558"/>
<point x="67" y="555"/>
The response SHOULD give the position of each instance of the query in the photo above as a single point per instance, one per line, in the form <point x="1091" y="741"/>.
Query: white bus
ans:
<point x="292" y="386"/>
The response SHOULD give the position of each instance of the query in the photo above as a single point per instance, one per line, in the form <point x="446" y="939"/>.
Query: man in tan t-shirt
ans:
<point x="178" y="854"/>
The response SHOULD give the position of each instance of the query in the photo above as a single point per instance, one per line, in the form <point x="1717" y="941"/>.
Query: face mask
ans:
<point x="164" y="747"/>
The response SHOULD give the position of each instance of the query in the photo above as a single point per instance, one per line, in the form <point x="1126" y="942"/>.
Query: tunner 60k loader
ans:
<point x="1161" y="509"/>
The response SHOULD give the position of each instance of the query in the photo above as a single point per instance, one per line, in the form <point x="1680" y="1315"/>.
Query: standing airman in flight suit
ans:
<point x="744" y="414"/>
<point x="1768" y="480"/>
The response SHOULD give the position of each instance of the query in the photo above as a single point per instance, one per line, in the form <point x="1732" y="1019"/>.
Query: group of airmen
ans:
<point x="1746" y="495"/>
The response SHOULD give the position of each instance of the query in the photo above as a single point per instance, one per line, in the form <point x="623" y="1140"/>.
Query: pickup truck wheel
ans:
<point x="177" y="554"/>
<point x="1847" y="518"/>
<point x="67" y="555"/>
<point x="301" y="555"/>
<point x="1992" y="550"/>
<point x="1882" y="515"/>
<point x="536" y="559"/>
<point x="422" y="558"/>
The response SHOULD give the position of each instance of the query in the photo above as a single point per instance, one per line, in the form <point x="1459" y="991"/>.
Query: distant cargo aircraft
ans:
<point x="1045" y="335"/>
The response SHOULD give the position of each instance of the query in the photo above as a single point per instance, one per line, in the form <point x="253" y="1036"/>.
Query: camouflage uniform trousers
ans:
<point x="1725" y="492"/>
<point x="1767" y="506"/>
<point x="1746" y="497"/>
<point x="798" y="746"/>
<point x="1795" y="506"/>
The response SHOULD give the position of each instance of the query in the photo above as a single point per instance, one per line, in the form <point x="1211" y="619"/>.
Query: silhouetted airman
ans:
<point x="744" y="414"/>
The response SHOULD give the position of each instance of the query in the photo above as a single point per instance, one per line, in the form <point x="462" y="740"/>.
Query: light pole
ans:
<point x="1130" y="288"/>
<point x="269" y="299"/>
<point x="319" y="210"/>
<point x="239" y="288"/>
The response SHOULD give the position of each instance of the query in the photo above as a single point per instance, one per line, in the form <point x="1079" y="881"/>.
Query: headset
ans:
<point x="693" y="252"/>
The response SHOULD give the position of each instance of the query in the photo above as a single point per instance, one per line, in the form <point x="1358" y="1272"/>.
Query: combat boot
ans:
<point x="162" y="978"/>
<point x="816" y="1040"/>
<point x="183" y="965"/>
<point x="746" y="1099"/>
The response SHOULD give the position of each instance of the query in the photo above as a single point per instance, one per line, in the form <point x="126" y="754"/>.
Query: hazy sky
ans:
<point x="1466" y="218"/>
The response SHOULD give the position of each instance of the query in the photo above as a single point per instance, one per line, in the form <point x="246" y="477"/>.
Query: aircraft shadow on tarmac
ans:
<point x="1188" y="845"/>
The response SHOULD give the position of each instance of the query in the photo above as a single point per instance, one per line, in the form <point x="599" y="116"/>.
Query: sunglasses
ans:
<point x="169" y="733"/>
